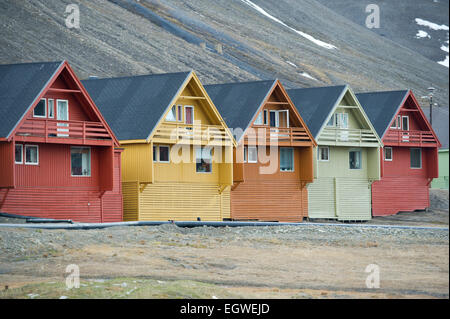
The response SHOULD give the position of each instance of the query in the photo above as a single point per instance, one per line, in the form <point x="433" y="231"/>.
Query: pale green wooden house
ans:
<point x="442" y="181"/>
<point x="347" y="159"/>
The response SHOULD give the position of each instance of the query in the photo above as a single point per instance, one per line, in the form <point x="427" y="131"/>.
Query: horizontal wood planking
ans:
<point x="321" y="198"/>
<point x="269" y="200"/>
<point x="399" y="193"/>
<point x="130" y="201"/>
<point x="182" y="202"/>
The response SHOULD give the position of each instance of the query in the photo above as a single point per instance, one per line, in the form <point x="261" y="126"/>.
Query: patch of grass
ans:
<point x="120" y="288"/>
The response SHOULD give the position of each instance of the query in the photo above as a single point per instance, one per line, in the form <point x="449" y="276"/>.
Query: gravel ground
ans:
<point x="317" y="261"/>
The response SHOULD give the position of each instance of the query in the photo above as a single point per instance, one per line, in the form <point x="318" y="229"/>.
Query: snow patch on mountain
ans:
<point x="303" y="34"/>
<point x="431" y="25"/>
<point x="422" y="34"/>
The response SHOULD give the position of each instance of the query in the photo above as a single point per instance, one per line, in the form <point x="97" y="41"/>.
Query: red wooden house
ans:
<point x="58" y="157"/>
<point x="410" y="155"/>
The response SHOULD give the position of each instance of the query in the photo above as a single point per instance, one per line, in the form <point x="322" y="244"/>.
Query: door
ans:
<point x="62" y="114"/>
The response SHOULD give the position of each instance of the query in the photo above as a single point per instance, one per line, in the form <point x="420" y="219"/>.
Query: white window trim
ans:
<point x="399" y="122"/>
<point x="248" y="154"/>
<point x="45" y="109"/>
<point x="266" y="117"/>
<point x="361" y="159"/>
<point x="333" y="120"/>
<point x="392" y="154"/>
<point x="245" y="154"/>
<point x="90" y="161"/>
<point x="318" y="155"/>
<point x="48" y="108"/>
<point x="193" y="118"/>
<point x="407" y="118"/>
<point x="201" y="151"/>
<point x="37" y="154"/>
<point x="21" y="152"/>
<point x="159" y="153"/>
<point x="68" y="109"/>
<point x="416" y="148"/>
<point x="179" y="108"/>
<point x="293" y="160"/>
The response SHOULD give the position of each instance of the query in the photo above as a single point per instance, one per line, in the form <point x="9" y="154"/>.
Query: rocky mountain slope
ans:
<point x="303" y="43"/>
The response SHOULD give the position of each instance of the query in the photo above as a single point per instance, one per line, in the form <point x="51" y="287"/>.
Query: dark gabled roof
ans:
<point x="133" y="105"/>
<point x="315" y="104"/>
<point x="238" y="102"/>
<point x="20" y="86"/>
<point x="381" y="107"/>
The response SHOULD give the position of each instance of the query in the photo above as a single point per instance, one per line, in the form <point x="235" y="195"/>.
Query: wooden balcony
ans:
<point x="347" y="137"/>
<point x="409" y="138"/>
<point x="289" y="136"/>
<point x="197" y="134"/>
<point x="63" y="132"/>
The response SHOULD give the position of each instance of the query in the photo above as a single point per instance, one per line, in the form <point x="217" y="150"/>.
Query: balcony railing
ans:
<point x="399" y="137"/>
<point x="191" y="134"/>
<point x="49" y="130"/>
<point x="360" y="136"/>
<point x="280" y="135"/>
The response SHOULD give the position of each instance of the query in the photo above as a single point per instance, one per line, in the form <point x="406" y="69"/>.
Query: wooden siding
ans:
<point x="269" y="200"/>
<point x="442" y="181"/>
<point x="183" y="202"/>
<point x="393" y="194"/>
<point x="130" y="201"/>
<point x="7" y="177"/>
<point x="339" y="198"/>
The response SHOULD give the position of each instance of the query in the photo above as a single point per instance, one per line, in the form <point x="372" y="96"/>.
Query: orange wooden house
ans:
<point x="58" y="157"/>
<point x="273" y="161"/>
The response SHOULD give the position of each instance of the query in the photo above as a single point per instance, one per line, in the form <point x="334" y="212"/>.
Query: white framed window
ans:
<point x="388" y="155"/>
<point x="51" y="108"/>
<point x="252" y="154"/>
<point x="155" y="153"/>
<point x="331" y="122"/>
<point x="40" y="110"/>
<point x="180" y="113"/>
<point x="172" y="115"/>
<point x="399" y="122"/>
<point x="266" y="117"/>
<point x="416" y="158"/>
<point x="189" y="114"/>
<point x="245" y="154"/>
<point x="324" y="153"/>
<point x="18" y="157"/>
<point x="203" y="159"/>
<point x="279" y="118"/>
<point x="80" y="161"/>
<point x="31" y="155"/>
<point x="341" y="120"/>
<point x="355" y="158"/>
<point x="405" y="123"/>
<point x="286" y="159"/>
<point x="164" y="154"/>
<point x="259" y="119"/>
<point x="394" y="124"/>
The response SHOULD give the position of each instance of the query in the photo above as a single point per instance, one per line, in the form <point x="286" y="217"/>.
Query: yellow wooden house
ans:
<point x="177" y="162"/>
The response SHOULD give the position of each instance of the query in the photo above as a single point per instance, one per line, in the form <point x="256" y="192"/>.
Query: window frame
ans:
<point x="37" y="154"/>
<point x="159" y="153"/>
<point x="200" y="148"/>
<point x="293" y="159"/>
<point x="392" y="154"/>
<point x="360" y="158"/>
<point x="319" y="153"/>
<point x="90" y="160"/>
<point x="185" y="117"/>
<point x="21" y="154"/>
<point x="179" y="113"/>
<point x="245" y="154"/>
<point x="407" y="121"/>
<point x="420" y="157"/>
<point x="53" y="108"/>
<point x="248" y="154"/>
<point x="266" y="117"/>
<point x="45" y="109"/>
